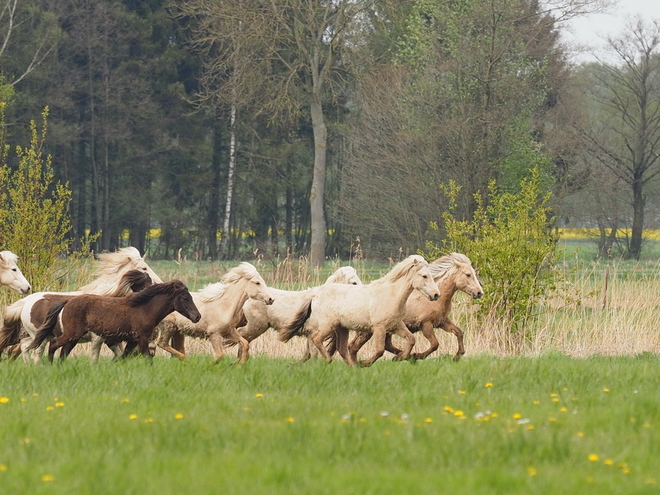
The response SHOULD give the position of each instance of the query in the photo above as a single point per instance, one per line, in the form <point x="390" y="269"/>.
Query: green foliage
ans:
<point x="34" y="220"/>
<point x="511" y="243"/>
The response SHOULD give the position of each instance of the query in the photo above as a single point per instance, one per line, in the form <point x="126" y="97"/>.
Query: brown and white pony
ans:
<point x="131" y="319"/>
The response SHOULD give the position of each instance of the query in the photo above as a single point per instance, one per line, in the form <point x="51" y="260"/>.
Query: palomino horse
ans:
<point x="451" y="272"/>
<point x="37" y="306"/>
<point x="111" y="267"/>
<point x="131" y="319"/>
<point x="10" y="274"/>
<point x="260" y="316"/>
<point x="376" y="308"/>
<point x="221" y="306"/>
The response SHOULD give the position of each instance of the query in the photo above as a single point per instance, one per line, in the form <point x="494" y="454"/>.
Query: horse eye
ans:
<point x="354" y="283"/>
<point x="258" y="283"/>
<point x="14" y="269"/>
<point x="469" y="275"/>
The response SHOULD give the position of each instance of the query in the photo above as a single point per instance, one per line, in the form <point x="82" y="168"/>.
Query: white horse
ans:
<point x="10" y="274"/>
<point x="376" y="308"/>
<point x="451" y="273"/>
<point x="112" y="266"/>
<point x="260" y="316"/>
<point x="221" y="307"/>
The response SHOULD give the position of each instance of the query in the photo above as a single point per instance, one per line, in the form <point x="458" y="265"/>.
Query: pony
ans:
<point x="131" y="319"/>
<point x="259" y="316"/>
<point x="451" y="273"/>
<point x="35" y="307"/>
<point x="221" y="306"/>
<point x="376" y="308"/>
<point x="111" y="267"/>
<point x="10" y="274"/>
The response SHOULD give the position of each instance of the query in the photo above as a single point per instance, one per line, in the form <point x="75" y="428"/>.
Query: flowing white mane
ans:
<point x="445" y="265"/>
<point x="343" y="276"/>
<point x="112" y="263"/>
<point x="402" y="269"/>
<point x="8" y="259"/>
<point x="212" y="292"/>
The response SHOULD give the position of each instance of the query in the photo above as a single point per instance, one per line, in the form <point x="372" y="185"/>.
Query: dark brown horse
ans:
<point x="130" y="319"/>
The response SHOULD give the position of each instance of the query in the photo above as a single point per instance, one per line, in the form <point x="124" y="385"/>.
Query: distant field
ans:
<point x="485" y="425"/>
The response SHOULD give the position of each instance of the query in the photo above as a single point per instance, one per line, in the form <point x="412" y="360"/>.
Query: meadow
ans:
<point x="573" y="407"/>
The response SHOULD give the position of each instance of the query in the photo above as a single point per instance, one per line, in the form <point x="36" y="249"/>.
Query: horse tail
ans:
<point x="48" y="326"/>
<point x="295" y="327"/>
<point x="11" y="325"/>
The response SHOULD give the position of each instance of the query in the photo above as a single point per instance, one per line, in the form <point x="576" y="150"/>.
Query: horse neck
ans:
<point x="402" y="288"/>
<point x="447" y="290"/>
<point x="235" y="296"/>
<point x="158" y="307"/>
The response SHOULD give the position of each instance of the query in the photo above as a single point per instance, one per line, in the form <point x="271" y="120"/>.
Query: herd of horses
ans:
<point x="128" y="303"/>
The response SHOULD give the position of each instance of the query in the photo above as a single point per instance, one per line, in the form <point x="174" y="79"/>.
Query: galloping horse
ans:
<point x="111" y="268"/>
<point x="451" y="272"/>
<point x="260" y="316"/>
<point x="221" y="306"/>
<point x="37" y="306"/>
<point x="131" y="318"/>
<point x="376" y="308"/>
<point x="10" y="274"/>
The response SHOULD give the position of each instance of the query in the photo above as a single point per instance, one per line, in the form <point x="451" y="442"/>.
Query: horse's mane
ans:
<point x="142" y="297"/>
<point x="111" y="263"/>
<point x="129" y="282"/>
<point x="212" y="292"/>
<point x="7" y="258"/>
<point x="401" y="269"/>
<point x="342" y="275"/>
<point x="445" y="265"/>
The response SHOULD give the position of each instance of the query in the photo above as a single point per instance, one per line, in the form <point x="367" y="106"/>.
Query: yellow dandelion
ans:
<point x="23" y="399"/>
<point x="448" y="409"/>
<point x="49" y="408"/>
<point x="428" y="420"/>
<point x="564" y="409"/>
<point x="532" y="471"/>
<point x="608" y="462"/>
<point x="259" y="395"/>
<point x="554" y="395"/>
<point x="494" y="415"/>
<point x="459" y="414"/>
<point x="651" y="481"/>
<point x="626" y="470"/>
<point x="461" y="392"/>
<point x="178" y="416"/>
<point x="59" y="404"/>
<point x="517" y="416"/>
<point x="149" y="420"/>
<point x="133" y="416"/>
<point x="3" y="467"/>
<point x="606" y="390"/>
<point x="530" y="427"/>
<point x="48" y="477"/>
<point x="4" y="400"/>
<point x="125" y="400"/>
<point x="488" y="385"/>
<point x="593" y="457"/>
<point x="556" y="399"/>
<point x="536" y="402"/>
<point x="580" y="434"/>
<point x="35" y="395"/>
<point x="552" y="419"/>
<point x="246" y="408"/>
<point x="290" y="419"/>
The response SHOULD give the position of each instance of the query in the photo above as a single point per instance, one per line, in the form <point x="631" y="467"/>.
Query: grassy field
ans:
<point x="548" y="424"/>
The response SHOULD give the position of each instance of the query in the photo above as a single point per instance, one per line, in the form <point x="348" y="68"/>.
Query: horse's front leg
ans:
<point x="95" y="348"/>
<point x="215" y="338"/>
<point x="179" y="342"/>
<point x="143" y="344"/>
<point x="451" y="327"/>
<point x="341" y="338"/>
<point x="167" y="331"/>
<point x="429" y="333"/>
<point x="318" y="338"/>
<point x="244" y="345"/>
<point x="402" y="331"/>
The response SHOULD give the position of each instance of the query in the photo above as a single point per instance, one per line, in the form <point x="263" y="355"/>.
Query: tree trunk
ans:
<point x="635" y="250"/>
<point x="230" y="183"/>
<point x="316" y="200"/>
<point x="214" y="198"/>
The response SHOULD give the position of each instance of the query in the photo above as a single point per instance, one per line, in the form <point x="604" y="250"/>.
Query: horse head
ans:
<point x="183" y="301"/>
<point x="10" y="274"/>
<point x="455" y="270"/>
<point x="344" y="275"/>
<point x="422" y="280"/>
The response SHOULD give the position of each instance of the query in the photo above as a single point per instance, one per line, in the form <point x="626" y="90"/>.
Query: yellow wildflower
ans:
<point x="593" y="457"/>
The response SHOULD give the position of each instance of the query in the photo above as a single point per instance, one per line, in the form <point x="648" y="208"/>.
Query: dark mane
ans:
<point x="147" y="294"/>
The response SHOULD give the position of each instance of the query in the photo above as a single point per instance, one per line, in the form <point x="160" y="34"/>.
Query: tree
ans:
<point x="281" y="57"/>
<point x="624" y="134"/>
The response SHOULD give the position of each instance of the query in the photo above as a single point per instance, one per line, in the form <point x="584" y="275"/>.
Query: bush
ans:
<point x="34" y="220"/>
<point x="511" y="243"/>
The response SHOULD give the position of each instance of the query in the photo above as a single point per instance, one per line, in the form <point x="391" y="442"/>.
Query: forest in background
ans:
<point x="327" y="128"/>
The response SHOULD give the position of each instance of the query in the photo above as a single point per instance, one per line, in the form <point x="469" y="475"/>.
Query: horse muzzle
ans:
<point x="270" y="301"/>
<point x="434" y="297"/>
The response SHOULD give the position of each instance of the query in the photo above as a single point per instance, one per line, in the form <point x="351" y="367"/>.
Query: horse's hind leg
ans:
<point x="318" y="338"/>
<point x="402" y="331"/>
<point x="166" y="332"/>
<point x="356" y="344"/>
<point x="95" y="351"/>
<point x="244" y="346"/>
<point x="216" y="342"/>
<point x="379" y="344"/>
<point x="341" y="339"/>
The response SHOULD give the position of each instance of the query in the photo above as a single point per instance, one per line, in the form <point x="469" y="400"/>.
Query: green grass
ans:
<point x="274" y="426"/>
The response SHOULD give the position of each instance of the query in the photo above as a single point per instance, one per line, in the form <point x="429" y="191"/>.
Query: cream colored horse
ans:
<point x="260" y="317"/>
<point x="376" y="308"/>
<point x="10" y="274"/>
<point x="111" y="267"/>
<point x="221" y="306"/>
<point x="451" y="273"/>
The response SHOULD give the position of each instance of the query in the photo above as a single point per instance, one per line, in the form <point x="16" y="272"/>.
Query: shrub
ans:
<point x="511" y="243"/>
